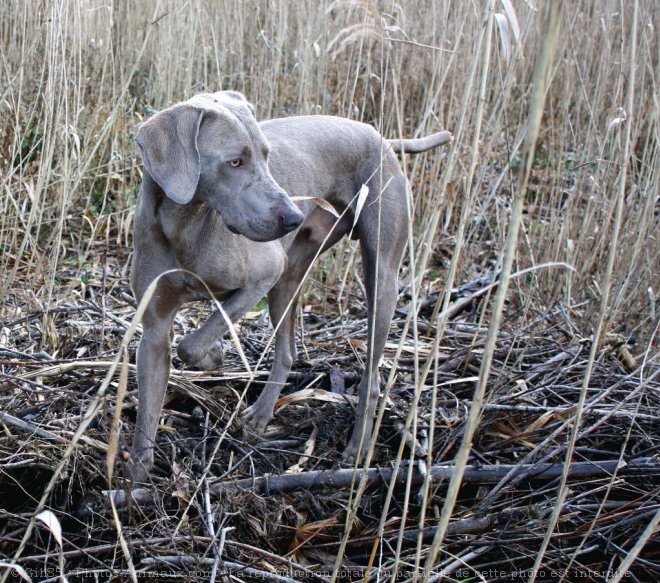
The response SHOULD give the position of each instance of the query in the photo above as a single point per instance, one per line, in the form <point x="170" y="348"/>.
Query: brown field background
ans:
<point x="78" y="76"/>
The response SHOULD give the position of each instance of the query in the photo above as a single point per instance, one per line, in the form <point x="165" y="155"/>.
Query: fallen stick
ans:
<point x="494" y="473"/>
<point x="30" y="428"/>
<point x="280" y="483"/>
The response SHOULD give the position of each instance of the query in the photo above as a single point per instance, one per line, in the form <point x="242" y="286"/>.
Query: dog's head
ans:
<point x="211" y="149"/>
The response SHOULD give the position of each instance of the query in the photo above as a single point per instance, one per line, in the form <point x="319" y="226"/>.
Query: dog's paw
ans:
<point x="138" y="466"/>
<point x="353" y="451"/>
<point x="255" y="419"/>
<point x="348" y="455"/>
<point x="212" y="359"/>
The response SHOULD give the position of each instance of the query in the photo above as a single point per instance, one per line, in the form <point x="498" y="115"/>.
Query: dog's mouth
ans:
<point x="253" y="235"/>
<point x="258" y="232"/>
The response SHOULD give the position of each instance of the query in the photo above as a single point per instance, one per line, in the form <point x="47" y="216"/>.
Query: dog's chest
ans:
<point x="214" y="259"/>
<point x="198" y="247"/>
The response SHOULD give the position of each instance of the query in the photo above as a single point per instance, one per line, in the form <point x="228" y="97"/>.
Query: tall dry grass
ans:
<point x="77" y="77"/>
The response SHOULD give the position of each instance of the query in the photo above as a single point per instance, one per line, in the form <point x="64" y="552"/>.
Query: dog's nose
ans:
<point x="291" y="219"/>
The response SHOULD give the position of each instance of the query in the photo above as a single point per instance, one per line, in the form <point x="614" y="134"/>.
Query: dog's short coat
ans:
<point x="215" y="203"/>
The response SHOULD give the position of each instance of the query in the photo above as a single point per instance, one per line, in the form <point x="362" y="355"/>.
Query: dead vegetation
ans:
<point x="282" y="502"/>
<point x="571" y="373"/>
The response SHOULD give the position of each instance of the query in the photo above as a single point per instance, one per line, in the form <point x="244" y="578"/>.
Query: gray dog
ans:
<point x="215" y="203"/>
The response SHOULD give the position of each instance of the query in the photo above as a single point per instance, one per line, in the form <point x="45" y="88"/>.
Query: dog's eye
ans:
<point x="236" y="163"/>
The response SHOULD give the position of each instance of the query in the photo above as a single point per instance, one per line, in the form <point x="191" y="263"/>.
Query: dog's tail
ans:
<point x="419" y="145"/>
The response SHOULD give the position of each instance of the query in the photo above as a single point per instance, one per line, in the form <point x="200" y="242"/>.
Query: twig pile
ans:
<point x="276" y="508"/>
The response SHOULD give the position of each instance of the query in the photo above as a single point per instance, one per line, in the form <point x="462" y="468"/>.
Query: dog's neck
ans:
<point x="178" y="223"/>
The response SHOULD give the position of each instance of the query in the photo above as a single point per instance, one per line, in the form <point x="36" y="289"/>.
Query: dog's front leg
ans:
<point x="200" y="348"/>
<point x="153" y="370"/>
<point x="261" y="266"/>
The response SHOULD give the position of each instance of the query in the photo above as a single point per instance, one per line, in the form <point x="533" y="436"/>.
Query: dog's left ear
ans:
<point x="168" y="147"/>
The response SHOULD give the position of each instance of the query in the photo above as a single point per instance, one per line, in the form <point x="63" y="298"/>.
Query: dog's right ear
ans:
<point x="168" y="147"/>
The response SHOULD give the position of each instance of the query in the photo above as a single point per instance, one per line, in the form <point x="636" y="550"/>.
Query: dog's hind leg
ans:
<point x="382" y="231"/>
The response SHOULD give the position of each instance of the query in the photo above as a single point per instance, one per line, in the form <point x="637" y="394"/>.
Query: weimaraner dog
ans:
<point x="214" y="213"/>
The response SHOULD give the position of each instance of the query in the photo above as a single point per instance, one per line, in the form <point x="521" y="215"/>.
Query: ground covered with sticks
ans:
<point x="277" y="508"/>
